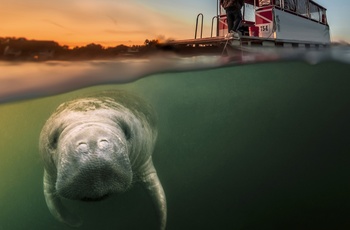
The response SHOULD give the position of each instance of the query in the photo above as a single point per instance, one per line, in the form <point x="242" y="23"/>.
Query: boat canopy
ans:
<point x="298" y="6"/>
<point x="307" y="8"/>
<point x="287" y="4"/>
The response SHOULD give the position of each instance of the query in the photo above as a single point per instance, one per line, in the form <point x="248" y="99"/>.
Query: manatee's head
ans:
<point x="92" y="162"/>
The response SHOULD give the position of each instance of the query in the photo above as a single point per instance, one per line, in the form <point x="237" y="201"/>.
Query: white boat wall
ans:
<point x="292" y="27"/>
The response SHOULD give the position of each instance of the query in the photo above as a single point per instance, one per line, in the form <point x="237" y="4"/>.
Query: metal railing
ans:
<point x="195" y="33"/>
<point x="212" y="25"/>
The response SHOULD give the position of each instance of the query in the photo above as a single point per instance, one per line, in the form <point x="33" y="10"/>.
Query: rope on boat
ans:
<point x="225" y="47"/>
<point x="222" y="53"/>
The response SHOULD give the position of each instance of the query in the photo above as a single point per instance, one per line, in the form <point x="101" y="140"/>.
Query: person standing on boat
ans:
<point x="234" y="15"/>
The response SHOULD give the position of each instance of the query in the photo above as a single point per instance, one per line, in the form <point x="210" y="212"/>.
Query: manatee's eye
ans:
<point x="54" y="140"/>
<point x="126" y="130"/>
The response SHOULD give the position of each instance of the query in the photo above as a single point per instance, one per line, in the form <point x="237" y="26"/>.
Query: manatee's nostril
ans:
<point x="83" y="147"/>
<point x="103" y="144"/>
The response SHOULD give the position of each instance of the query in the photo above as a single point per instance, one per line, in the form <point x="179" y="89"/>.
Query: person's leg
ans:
<point x="237" y="18"/>
<point x="230" y="19"/>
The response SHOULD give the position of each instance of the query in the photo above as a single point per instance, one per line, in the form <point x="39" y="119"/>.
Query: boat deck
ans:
<point x="244" y="41"/>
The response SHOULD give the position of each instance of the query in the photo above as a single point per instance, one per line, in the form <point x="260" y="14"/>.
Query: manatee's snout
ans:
<point x="94" y="141"/>
<point x="93" y="163"/>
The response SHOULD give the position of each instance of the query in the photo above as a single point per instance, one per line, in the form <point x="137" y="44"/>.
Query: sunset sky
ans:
<point x="113" y="22"/>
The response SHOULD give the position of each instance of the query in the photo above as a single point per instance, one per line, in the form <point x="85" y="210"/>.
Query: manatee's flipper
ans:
<point x="153" y="185"/>
<point x="55" y="205"/>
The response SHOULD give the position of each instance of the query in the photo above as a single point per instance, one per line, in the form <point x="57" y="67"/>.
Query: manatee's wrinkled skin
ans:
<point x="96" y="146"/>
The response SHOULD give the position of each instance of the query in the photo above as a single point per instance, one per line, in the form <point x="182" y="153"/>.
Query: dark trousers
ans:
<point x="234" y="18"/>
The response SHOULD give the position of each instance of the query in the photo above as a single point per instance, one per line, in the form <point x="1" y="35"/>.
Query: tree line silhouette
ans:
<point x="12" y="48"/>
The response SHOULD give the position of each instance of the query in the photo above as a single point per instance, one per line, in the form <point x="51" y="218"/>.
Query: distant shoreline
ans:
<point x="22" y="49"/>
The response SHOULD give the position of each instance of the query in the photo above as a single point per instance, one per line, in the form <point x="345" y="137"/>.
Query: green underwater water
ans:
<point x="260" y="146"/>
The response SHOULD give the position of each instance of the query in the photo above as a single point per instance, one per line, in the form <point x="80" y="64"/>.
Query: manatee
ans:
<point x="96" y="146"/>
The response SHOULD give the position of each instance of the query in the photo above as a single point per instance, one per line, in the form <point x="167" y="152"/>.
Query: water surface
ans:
<point x="258" y="146"/>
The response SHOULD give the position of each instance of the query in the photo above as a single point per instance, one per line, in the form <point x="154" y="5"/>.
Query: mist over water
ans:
<point x="241" y="145"/>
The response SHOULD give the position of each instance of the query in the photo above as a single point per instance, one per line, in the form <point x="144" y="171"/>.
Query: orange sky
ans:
<point x="74" y="22"/>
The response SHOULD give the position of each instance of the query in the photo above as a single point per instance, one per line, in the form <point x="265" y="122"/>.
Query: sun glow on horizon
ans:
<point x="106" y="23"/>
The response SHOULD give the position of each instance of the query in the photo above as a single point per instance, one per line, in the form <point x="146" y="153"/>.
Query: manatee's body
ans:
<point x="98" y="145"/>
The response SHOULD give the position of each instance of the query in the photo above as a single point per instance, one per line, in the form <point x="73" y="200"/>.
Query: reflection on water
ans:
<point x="21" y="80"/>
<point x="259" y="146"/>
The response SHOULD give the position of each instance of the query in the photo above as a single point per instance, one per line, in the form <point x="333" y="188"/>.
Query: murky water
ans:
<point x="258" y="146"/>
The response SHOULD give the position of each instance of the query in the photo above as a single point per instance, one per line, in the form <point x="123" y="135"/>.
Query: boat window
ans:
<point x="290" y="5"/>
<point x="302" y="7"/>
<point x="278" y="3"/>
<point x="314" y="12"/>
<point x="324" y="17"/>
<point x="249" y="13"/>
<point x="305" y="8"/>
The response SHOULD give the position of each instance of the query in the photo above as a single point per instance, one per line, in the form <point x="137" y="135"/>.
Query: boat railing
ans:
<point x="201" y="32"/>
<point x="212" y="25"/>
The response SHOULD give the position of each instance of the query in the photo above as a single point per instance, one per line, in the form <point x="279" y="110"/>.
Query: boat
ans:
<point x="265" y="23"/>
